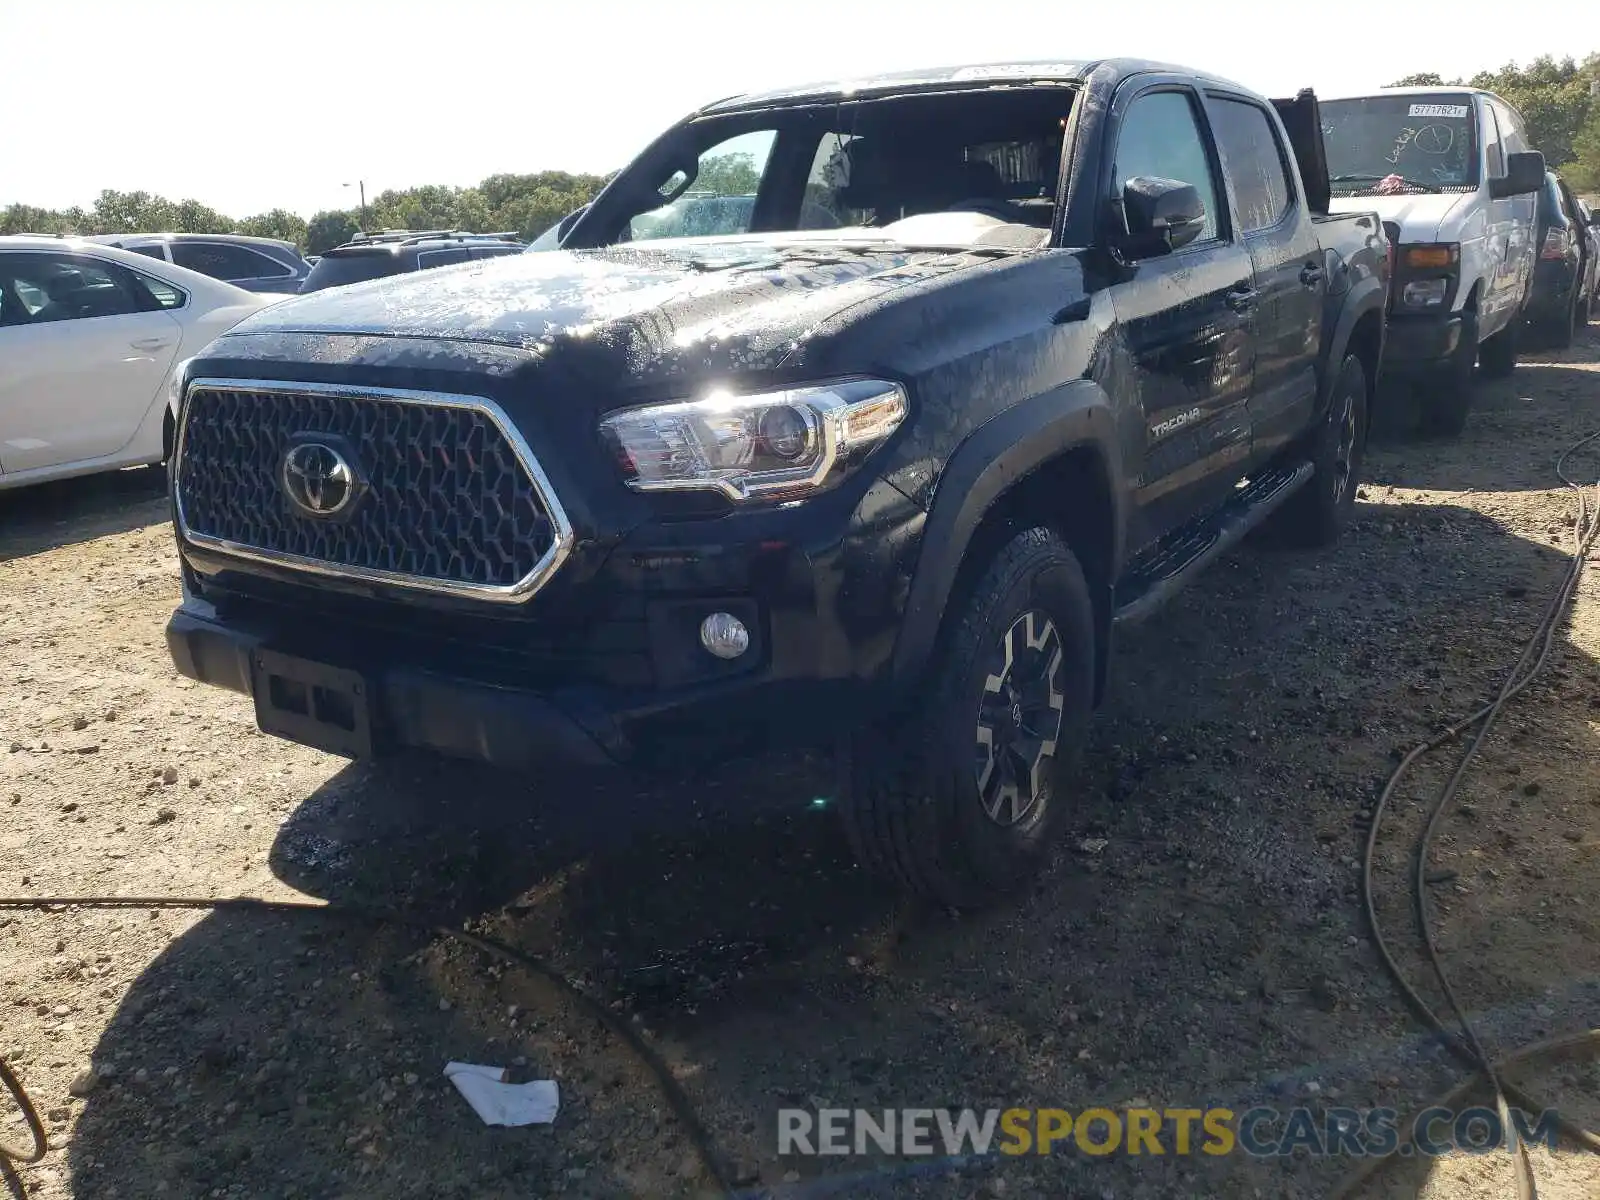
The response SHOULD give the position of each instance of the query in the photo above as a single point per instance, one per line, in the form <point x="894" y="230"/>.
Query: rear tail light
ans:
<point x="1556" y="244"/>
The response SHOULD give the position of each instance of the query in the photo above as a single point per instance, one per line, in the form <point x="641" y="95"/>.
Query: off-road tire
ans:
<point x="1319" y="511"/>
<point x="916" y="803"/>
<point x="1447" y="397"/>
<point x="1497" y="357"/>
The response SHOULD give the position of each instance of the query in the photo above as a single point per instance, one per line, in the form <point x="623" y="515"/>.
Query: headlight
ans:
<point x="1424" y="293"/>
<point x="766" y="445"/>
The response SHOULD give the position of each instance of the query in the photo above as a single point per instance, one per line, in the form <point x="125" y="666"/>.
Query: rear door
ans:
<point x="1185" y="317"/>
<point x="1286" y="323"/>
<point x="84" y="350"/>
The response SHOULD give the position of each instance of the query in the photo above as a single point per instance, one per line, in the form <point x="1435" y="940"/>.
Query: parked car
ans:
<point x="1589" y="218"/>
<point x="253" y="263"/>
<point x="1563" y="281"/>
<point x="1454" y="170"/>
<point x="89" y="338"/>
<point x="398" y="251"/>
<point x="889" y="486"/>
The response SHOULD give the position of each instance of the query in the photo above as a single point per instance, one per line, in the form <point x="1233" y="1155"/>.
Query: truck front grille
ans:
<point x="444" y="494"/>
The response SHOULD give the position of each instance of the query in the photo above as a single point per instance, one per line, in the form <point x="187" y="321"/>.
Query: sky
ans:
<point x="248" y="106"/>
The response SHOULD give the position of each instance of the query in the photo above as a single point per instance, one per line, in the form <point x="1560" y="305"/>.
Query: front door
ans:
<point x="1185" y="321"/>
<point x="82" y="358"/>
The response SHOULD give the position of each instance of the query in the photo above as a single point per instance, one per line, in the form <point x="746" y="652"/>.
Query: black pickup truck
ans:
<point x="1001" y="358"/>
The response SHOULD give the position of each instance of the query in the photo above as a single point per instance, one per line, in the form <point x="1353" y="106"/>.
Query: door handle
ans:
<point x="1242" y="299"/>
<point x="1310" y="274"/>
<point x="150" y="343"/>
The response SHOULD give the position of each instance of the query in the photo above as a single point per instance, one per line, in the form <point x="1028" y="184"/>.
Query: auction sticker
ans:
<point x="1438" y="110"/>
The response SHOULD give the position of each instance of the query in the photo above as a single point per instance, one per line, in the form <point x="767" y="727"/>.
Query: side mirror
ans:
<point x="1163" y="215"/>
<point x="1524" y="176"/>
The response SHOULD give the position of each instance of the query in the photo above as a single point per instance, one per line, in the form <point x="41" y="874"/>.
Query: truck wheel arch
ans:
<point x="1051" y="460"/>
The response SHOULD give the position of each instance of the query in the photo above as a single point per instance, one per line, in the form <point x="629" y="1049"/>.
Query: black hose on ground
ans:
<point x="682" y="1107"/>
<point x="1466" y="1045"/>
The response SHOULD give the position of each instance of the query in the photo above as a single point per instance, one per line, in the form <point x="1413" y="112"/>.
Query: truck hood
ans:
<point x="1422" y="217"/>
<point x="716" y="303"/>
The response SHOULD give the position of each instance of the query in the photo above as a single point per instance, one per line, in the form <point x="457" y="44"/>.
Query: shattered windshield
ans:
<point x="867" y="165"/>
<point x="1412" y="143"/>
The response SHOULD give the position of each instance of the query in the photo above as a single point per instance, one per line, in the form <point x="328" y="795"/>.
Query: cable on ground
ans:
<point x="1465" y="1044"/>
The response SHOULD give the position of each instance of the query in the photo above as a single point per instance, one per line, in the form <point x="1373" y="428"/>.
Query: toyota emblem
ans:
<point x="318" y="480"/>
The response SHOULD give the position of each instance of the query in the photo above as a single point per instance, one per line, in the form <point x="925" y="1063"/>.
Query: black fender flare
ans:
<point x="994" y="457"/>
<point x="1367" y="296"/>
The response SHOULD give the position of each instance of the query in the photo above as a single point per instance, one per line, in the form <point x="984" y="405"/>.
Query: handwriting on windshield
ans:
<point x="1400" y="143"/>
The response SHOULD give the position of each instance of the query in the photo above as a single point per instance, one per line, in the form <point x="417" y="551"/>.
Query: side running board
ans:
<point x="1167" y="568"/>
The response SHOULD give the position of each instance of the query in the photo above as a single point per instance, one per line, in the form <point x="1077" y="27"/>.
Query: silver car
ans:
<point x="253" y="263"/>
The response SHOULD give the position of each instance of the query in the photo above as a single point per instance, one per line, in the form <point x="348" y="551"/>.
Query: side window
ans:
<point x="221" y="260"/>
<point x="495" y="251"/>
<point x="1513" y="133"/>
<point x="1494" y="155"/>
<point x="721" y="199"/>
<point x="37" y="288"/>
<point x="1253" y="161"/>
<point x="153" y="250"/>
<point x="441" y="258"/>
<point x="162" y="294"/>
<point x="1160" y="136"/>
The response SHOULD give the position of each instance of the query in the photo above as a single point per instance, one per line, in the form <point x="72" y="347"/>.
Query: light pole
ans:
<point x="362" y="185"/>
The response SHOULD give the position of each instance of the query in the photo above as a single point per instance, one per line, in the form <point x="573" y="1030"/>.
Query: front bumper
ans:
<point x="576" y="728"/>
<point x="1418" y="344"/>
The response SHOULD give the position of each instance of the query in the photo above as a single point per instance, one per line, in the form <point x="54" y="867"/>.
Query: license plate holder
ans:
<point x="326" y="707"/>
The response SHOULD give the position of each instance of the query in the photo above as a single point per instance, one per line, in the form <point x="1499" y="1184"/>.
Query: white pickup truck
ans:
<point x="1452" y="174"/>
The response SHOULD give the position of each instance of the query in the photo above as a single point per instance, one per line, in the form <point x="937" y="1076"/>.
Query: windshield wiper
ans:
<point x="1415" y="183"/>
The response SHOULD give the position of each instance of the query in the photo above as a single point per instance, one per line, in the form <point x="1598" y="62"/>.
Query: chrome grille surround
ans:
<point x="459" y="504"/>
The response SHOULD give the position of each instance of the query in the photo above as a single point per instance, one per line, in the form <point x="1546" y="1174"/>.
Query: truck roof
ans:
<point x="1057" y="71"/>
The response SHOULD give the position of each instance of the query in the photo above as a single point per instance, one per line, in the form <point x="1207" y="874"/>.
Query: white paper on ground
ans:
<point x="500" y="1103"/>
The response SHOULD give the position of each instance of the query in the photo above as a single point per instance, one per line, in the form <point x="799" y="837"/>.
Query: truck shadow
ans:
<point x="1198" y="943"/>
<point x="46" y="516"/>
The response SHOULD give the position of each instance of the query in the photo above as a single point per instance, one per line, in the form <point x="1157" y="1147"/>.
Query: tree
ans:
<point x="279" y="223"/>
<point x="329" y="229"/>
<point x="1425" y="79"/>
<point x="728" y="175"/>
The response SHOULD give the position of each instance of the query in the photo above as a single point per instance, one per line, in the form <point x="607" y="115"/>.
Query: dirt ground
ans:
<point x="1199" y="943"/>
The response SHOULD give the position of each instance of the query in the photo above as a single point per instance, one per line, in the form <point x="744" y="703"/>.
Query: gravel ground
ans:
<point x="1198" y="943"/>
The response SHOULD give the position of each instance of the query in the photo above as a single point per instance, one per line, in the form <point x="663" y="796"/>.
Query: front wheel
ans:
<point x="1497" y="357"/>
<point x="1447" y="397"/>
<point x="960" y="800"/>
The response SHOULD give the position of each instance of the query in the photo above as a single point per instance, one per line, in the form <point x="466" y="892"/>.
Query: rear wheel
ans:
<point x="1562" y="329"/>
<point x="960" y="800"/>
<point x="1317" y="513"/>
<point x="1447" y="397"/>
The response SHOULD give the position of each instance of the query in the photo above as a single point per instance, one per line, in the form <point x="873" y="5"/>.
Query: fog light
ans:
<point x="724" y="635"/>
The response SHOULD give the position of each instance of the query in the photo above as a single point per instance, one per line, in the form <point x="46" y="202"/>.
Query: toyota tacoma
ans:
<point x="983" y="364"/>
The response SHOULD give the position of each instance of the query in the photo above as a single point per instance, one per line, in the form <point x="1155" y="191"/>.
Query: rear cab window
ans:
<point x="1430" y="140"/>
